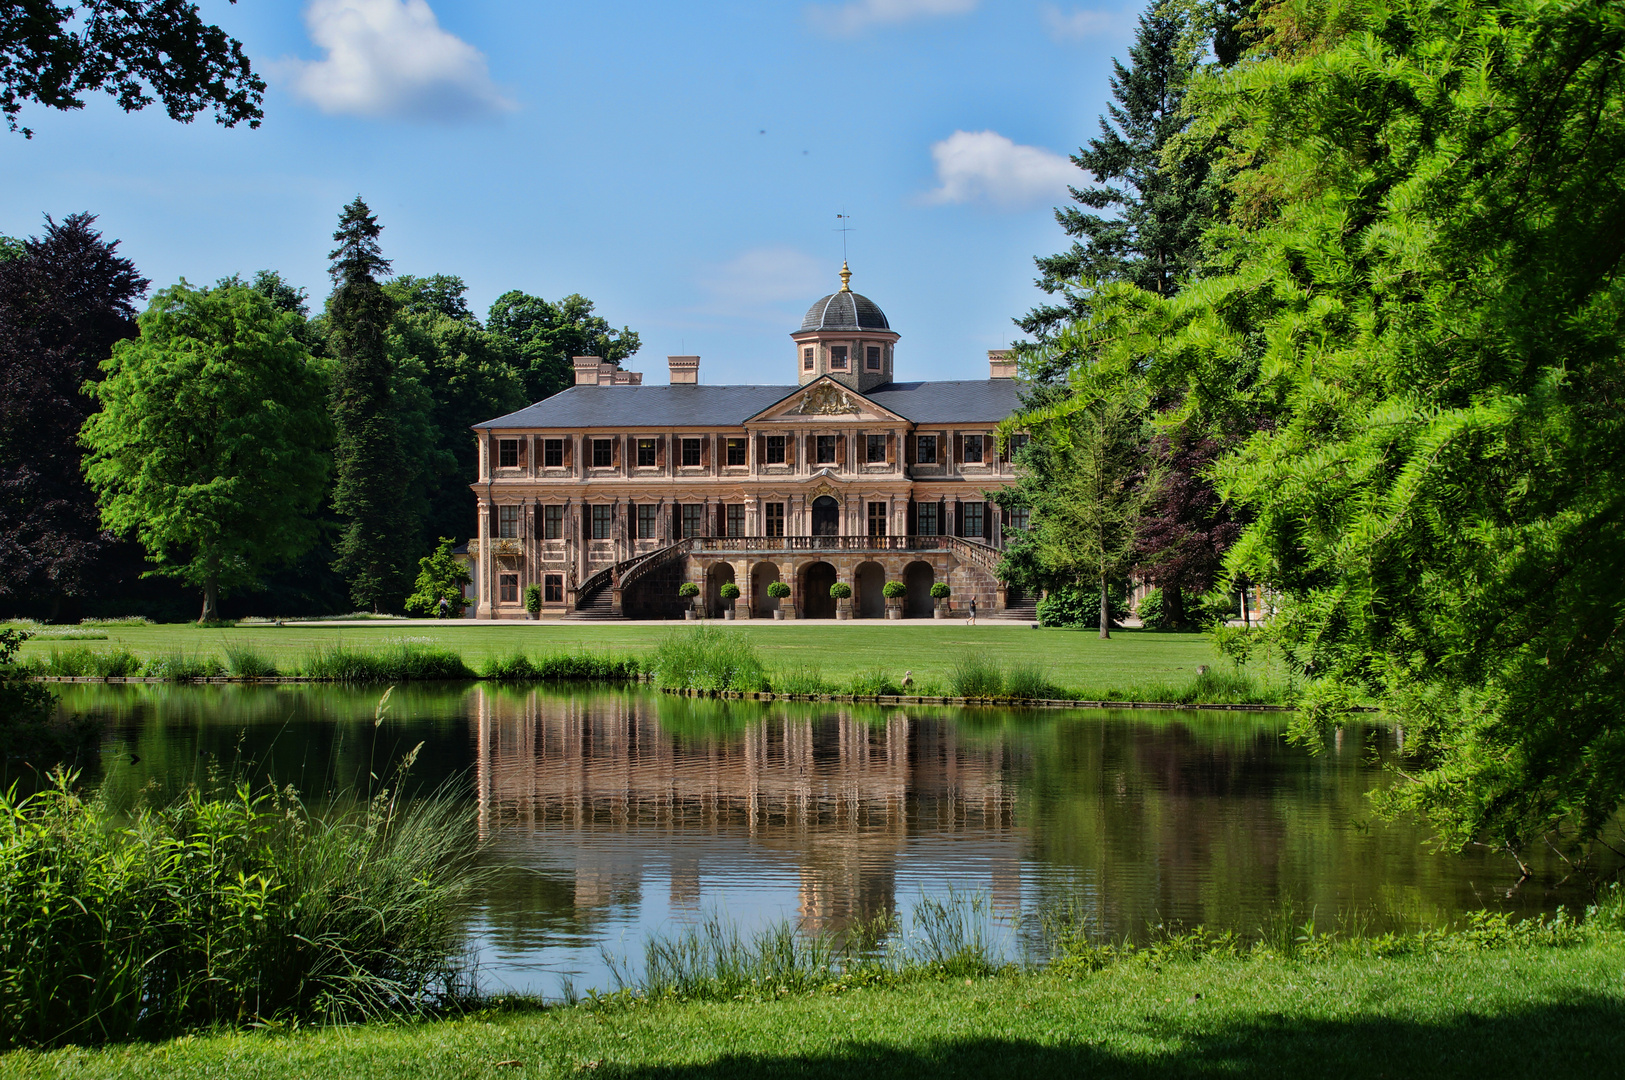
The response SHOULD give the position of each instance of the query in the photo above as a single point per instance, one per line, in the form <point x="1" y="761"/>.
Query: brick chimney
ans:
<point x="1000" y="365"/>
<point x="587" y="369"/>
<point x="595" y="371"/>
<point x="684" y="369"/>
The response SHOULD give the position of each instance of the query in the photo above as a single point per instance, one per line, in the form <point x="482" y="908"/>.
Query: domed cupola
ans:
<point x="845" y="336"/>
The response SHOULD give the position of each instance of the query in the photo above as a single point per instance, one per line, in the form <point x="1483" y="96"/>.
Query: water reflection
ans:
<point x="613" y="812"/>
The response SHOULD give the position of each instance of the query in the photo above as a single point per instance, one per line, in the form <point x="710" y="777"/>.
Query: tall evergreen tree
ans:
<point x="370" y="490"/>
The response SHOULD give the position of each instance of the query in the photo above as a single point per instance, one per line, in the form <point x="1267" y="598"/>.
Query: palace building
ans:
<point x="610" y="495"/>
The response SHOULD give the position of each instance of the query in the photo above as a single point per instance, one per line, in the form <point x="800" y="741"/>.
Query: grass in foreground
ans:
<point x="1546" y="1011"/>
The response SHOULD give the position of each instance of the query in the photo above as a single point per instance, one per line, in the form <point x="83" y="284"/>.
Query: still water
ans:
<point x="617" y="813"/>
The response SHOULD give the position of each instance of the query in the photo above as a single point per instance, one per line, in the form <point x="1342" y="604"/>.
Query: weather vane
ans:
<point x="845" y="228"/>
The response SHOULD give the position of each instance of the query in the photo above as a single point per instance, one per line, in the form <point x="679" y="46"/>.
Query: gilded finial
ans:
<point x="846" y="277"/>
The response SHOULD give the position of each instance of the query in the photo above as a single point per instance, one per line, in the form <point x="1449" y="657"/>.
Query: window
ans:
<point x="806" y="359"/>
<point x="693" y="519"/>
<point x="507" y="521"/>
<point x="873" y="358"/>
<point x="1020" y="517"/>
<point x="508" y="584"/>
<point x="507" y="453"/>
<point x="1018" y="443"/>
<point x="926" y="453"/>
<point x="826" y="449"/>
<point x="973" y="449"/>
<point x="877" y="519"/>
<point x="773" y="519"/>
<point x="837" y="357"/>
<point x="877" y="449"/>
<point x="736" y="519"/>
<point x="926" y="523"/>
<point x="691" y="452"/>
<point x="553" y="588"/>
<point x="970" y="520"/>
<point x="553" y="453"/>
<point x="775" y="449"/>
<point x="648" y="521"/>
<point x="601" y="522"/>
<point x="552" y="523"/>
<point x="603" y="453"/>
<point x="736" y="451"/>
<point x="646" y="453"/>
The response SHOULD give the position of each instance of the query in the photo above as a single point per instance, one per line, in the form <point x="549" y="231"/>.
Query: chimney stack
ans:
<point x="587" y="369"/>
<point x="595" y="371"/>
<point x="1000" y="365"/>
<point x="684" y="369"/>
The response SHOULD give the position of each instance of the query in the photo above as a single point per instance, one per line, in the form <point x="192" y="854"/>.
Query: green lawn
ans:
<point x="1539" y="1011"/>
<point x="1073" y="658"/>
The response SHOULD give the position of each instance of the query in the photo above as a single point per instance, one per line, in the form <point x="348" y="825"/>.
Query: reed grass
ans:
<point x="802" y="679"/>
<point x="401" y="661"/>
<point x="561" y="667"/>
<point x="873" y="682"/>
<point x="708" y="659"/>
<point x="247" y="662"/>
<point x="84" y="662"/>
<point x="242" y="908"/>
<point x="974" y="675"/>
<point x="182" y="666"/>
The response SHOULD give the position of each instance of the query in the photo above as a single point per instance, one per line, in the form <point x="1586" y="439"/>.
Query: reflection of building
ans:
<point x="609" y="495"/>
<point x="840" y="795"/>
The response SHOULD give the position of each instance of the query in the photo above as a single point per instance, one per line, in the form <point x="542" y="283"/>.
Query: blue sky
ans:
<point x="680" y="164"/>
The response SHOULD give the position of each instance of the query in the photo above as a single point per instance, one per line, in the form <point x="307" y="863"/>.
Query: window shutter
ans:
<point x="615" y="453"/>
<point x="790" y="449"/>
<point x="942" y="517"/>
<point x="891" y="448"/>
<point x="910" y="444"/>
<point x="840" y="451"/>
<point x="569" y="451"/>
<point x="705" y="451"/>
<point x="660" y="451"/>
<point x="522" y="444"/>
<point x="761" y="450"/>
<point x="913" y="519"/>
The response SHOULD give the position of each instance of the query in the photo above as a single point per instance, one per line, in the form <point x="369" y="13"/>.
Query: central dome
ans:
<point x="844" y="310"/>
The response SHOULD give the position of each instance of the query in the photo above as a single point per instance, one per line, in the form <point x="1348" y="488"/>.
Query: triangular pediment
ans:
<point x="824" y="400"/>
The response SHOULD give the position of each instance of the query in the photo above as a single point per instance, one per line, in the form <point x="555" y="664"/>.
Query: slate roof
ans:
<point x="957" y="401"/>
<point x="844" y="310"/>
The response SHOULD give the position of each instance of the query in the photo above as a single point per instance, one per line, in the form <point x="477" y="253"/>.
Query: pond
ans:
<point x="616" y="813"/>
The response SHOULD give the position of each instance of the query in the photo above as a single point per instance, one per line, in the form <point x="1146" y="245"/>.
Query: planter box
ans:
<point x="728" y="613"/>
<point x="940" y="613"/>
<point x="893" y="613"/>
<point x="779" y="615"/>
<point x="689" y="614"/>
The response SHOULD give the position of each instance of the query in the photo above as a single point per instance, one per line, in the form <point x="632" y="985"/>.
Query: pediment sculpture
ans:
<point x="826" y="400"/>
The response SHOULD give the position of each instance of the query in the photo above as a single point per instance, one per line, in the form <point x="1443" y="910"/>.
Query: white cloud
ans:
<point x="984" y="165"/>
<point x="859" y="15"/>
<point x="1082" y="24"/>
<point x="768" y="275"/>
<point x="390" y="58"/>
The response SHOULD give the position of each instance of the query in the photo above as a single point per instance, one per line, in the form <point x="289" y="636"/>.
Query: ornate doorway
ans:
<point x="826" y="516"/>
<point x="815" y="601"/>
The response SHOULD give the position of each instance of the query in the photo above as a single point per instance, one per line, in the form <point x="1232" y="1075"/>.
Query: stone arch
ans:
<point x="717" y="575"/>
<point x="762" y="575"/>
<point x="826" y="516"/>
<point x="813" y="600"/>
<point x="919" y="577"/>
<point x="868" y="602"/>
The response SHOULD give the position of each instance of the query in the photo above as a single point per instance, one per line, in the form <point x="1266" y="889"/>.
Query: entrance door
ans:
<point x="826" y="516"/>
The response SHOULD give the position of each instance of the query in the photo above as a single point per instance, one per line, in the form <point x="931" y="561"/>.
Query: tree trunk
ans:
<point x="1105" y="610"/>
<point x="1173" y="607"/>
<point x="211" y="601"/>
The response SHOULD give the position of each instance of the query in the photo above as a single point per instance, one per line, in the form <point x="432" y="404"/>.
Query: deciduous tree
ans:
<point x="547" y="336"/>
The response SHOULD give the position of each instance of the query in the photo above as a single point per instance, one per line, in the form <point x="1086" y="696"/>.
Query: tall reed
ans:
<point x="400" y="661"/>
<point x="561" y="667"/>
<point x="234" y="909"/>
<point x="706" y="658"/>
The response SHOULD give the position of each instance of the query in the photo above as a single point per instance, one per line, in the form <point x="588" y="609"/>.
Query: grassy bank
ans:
<point x="1483" y="1012"/>
<point x="837" y="652"/>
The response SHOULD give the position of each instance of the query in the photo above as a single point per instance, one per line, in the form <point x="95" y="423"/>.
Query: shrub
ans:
<point x="399" y="662"/>
<point x="247" y="662"/>
<point x="688" y="590"/>
<point x="894" y="590"/>
<point x="240" y="909"/>
<point x="873" y="682"/>
<point x="1073" y="605"/>
<point x="976" y="676"/>
<point x="778" y="590"/>
<point x="533" y="599"/>
<point x="122" y="620"/>
<point x="729" y="592"/>
<point x="441" y="576"/>
<point x="940" y="591"/>
<point x="708" y="659"/>
<point x="840" y="590"/>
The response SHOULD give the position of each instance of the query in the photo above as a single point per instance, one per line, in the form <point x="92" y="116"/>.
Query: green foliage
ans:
<point x="940" y="591"/>
<point x="870" y="683"/>
<point x="708" y="659"/>
<point x="546" y="336"/>
<point x="402" y="661"/>
<point x="239" y="909"/>
<point x="778" y="590"/>
<point x="840" y="590"/>
<point x="441" y="576"/>
<point x="561" y="667"/>
<point x="82" y="662"/>
<point x="894" y="590"/>
<point x="211" y="441"/>
<point x="974" y="675"/>
<point x="181" y="666"/>
<point x="729" y="591"/>
<point x="533" y="599"/>
<point x="1029" y="681"/>
<point x="803" y="679"/>
<point x="246" y="662"/>
<point x="688" y="590"/>
<point x="30" y="732"/>
<point x="1069" y="605"/>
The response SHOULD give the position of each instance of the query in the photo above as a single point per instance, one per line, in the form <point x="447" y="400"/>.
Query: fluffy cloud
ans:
<point x="1080" y="25"/>
<point x="390" y="58"/>
<point x="859" y="15"/>
<point x="769" y="275"/>
<point x="984" y="165"/>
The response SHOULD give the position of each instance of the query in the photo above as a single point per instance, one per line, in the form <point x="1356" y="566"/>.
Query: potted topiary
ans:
<point x="780" y="592"/>
<point x="842" y="592"/>
<point x="894" y="591"/>
<point x="729" y="593"/>
<point x="688" y="591"/>
<point x="533" y="601"/>
<point x="939" y="593"/>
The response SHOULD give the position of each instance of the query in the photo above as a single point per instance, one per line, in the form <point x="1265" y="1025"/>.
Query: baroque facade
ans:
<point x="610" y="495"/>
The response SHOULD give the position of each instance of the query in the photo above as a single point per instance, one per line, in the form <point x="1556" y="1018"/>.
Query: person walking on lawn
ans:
<point x="972" y="620"/>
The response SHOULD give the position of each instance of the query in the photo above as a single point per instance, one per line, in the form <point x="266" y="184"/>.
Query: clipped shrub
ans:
<point x="729" y="592"/>
<point x="688" y="590"/>
<point x="894" y="590"/>
<point x="976" y="676"/>
<point x="708" y="659"/>
<point x="840" y="590"/>
<point x="533" y="599"/>
<point x="778" y="590"/>
<point x="940" y="591"/>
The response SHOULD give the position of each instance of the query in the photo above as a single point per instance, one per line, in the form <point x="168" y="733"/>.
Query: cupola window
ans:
<point x="837" y="357"/>
<point x="806" y="359"/>
<point x="873" y="358"/>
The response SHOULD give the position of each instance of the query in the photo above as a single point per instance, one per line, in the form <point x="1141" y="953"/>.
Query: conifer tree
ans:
<point x="370" y="491"/>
